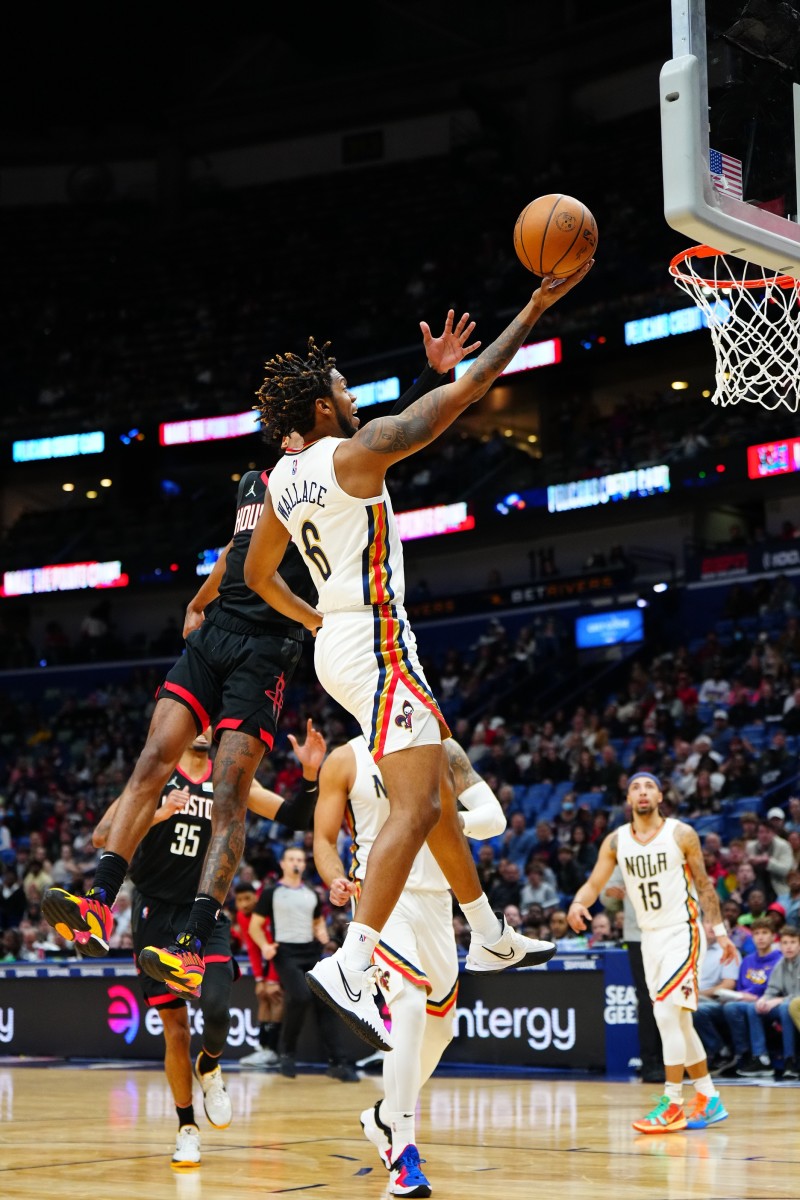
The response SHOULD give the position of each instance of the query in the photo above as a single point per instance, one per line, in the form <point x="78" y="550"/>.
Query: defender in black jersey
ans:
<point x="165" y="872"/>
<point x="240" y="657"/>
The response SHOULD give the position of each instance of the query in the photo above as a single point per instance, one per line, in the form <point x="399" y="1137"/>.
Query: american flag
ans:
<point x="726" y="173"/>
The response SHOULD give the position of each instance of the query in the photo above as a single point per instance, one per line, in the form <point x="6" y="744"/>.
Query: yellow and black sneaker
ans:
<point x="180" y="966"/>
<point x="85" y="920"/>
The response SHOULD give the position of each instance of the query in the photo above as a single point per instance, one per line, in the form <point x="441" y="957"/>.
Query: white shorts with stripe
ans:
<point x="367" y="660"/>
<point x="418" y="947"/>
<point x="671" y="959"/>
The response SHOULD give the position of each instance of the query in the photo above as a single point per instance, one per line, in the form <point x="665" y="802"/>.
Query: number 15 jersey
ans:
<point x="169" y="859"/>
<point x="657" y="878"/>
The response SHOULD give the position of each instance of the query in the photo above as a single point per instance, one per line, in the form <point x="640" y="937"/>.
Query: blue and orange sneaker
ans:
<point x="666" y="1117"/>
<point x="707" y="1111"/>
<point x="180" y="966"/>
<point x="406" y="1178"/>
<point x="85" y="920"/>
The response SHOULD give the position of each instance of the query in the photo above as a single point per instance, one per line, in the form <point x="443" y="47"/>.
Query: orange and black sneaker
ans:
<point x="85" y="920"/>
<point x="666" y="1117"/>
<point x="180" y="966"/>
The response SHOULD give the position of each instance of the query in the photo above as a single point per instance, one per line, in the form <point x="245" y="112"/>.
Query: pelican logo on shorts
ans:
<point x="123" y="1012"/>
<point x="687" y="990"/>
<point x="384" y="979"/>
<point x="403" y="721"/>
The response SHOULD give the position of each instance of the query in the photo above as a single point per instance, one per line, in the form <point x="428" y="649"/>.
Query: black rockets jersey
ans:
<point x="236" y="600"/>
<point x="169" y="859"/>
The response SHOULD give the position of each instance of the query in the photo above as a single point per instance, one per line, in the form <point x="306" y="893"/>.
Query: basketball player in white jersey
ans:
<point x="416" y="963"/>
<point x="662" y="867"/>
<point x="331" y="499"/>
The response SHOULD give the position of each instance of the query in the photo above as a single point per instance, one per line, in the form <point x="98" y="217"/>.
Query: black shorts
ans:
<point x="234" y="680"/>
<point x="156" y="923"/>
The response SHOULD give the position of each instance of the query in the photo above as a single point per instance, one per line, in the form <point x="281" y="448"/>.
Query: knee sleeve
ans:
<point x="695" y="1050"/>
<point x="215" y="1002"/>
<point x="673" y="1042"/>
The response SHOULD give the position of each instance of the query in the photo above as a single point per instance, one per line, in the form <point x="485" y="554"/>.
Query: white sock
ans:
<point x="482" y="920"/>
<point x="705" y="1086"/>
<point x="674" y="1091"/>
<point x="403" y="1133"/>
<point x="359" y="943"/>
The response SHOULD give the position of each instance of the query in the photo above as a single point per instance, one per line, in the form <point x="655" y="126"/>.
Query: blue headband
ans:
<point x="645" y="775"/>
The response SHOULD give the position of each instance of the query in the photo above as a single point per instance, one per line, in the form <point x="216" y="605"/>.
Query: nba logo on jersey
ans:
<point x="404" y="720"/>
<point x="294" y="466"/>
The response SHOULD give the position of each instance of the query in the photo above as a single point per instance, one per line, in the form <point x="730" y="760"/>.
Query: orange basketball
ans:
<point x="554" y="235"/>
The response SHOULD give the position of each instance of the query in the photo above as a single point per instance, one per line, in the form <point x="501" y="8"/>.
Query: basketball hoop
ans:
<point x="754" y="320"/>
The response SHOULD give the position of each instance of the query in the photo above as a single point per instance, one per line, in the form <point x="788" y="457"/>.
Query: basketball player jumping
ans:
<point x="416" y="957"/>
<point x="331" y="499"/>
<point x="662" y="866"/>
<point x="240" y="657"/>
<point x="165" y="872"/>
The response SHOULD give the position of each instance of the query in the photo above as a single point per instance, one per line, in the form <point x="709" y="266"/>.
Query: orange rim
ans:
<point x="676" y="269"/>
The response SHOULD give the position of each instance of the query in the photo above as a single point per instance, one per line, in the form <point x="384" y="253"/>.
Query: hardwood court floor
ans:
<point x="108" y="1133"/>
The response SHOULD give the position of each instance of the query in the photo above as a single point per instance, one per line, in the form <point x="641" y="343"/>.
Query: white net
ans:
<point x="754" y="321"/>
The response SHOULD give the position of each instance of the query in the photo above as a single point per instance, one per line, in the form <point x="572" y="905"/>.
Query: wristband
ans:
<point x="720" y="930"/>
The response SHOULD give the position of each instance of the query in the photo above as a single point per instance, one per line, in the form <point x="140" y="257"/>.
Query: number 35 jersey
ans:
<point x="169" y="859"/>
<point x="657" y="878"/>
<point x="351" y="545"/>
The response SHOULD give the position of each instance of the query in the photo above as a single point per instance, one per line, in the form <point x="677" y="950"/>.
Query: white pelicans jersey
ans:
<point x="657" y="878"/>
<point x="367" y="810"/>
<point x="351" y="544"/>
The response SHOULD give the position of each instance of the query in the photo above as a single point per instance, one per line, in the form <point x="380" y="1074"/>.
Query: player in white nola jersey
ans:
<point x="416" y="959"/>
<point x="331" y="498"/>
<point x="662" y="866"/>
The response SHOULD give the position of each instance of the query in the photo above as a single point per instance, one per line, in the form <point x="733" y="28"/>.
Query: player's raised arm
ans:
<point x="267" y="548"/>
<point x="389" y="439"/>
<point x="689" y="842"/>
<point x="579" y="915"/>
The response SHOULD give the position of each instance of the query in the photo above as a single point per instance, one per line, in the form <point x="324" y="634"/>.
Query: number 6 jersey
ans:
<point x="351" y="545"/>
<point x="657" y="878"/>
<point x="169" y="859"/>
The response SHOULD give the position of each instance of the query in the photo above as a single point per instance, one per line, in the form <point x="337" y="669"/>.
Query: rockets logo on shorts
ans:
<point x="404" y="719"/>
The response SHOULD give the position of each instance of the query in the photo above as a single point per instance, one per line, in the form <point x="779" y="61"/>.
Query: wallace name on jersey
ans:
<point x="310" y="491"/>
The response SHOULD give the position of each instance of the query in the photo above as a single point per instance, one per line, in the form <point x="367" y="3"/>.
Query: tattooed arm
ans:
<point x="579" y="915"/>
<point x="689" y="842"/>
<point x="483" y="816"/>
<point x="362" y="461"/>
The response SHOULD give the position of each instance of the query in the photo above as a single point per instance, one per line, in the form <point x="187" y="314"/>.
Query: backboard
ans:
<point x="730" y="127"/>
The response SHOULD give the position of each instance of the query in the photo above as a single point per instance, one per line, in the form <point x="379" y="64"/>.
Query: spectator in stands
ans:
<point x="782" y="988"/>
<point x="601" y="935"/>
<point x="537" y="890"/>
<point x="11" y="946"/>
<point x="746" y="1029"/>
<point x="740" y="777"/>
<point x="486" y="865"/>
<point x="783" y="597"/>
<point x="776" y="915"/>
<point x="507" y="888"/>
<point x="704" y="796"/>
<point x="569" y="876"/>
<point x="791" y="901"/>
<point x="12" y="900"/>
<point x="708" y="1018"/>
<point x="792" y="822"/>
<point x="756" y="907"/>
<point x="732" y="858"/>
<point x="745" y="882"/>
<point x="586" y="776"/>
<point x="566" y="820"/>
<point x="767" y="708"/>
<point x="513" y="916"/>
<point x="546" y="846"/>
<point x="771" y="856"/>
<point x="518" y="841"/>
<point x="560" y="932"/>
<point x="585" y="852"/>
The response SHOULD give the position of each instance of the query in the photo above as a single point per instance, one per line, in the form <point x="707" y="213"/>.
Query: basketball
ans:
<point x="554" y="235"/>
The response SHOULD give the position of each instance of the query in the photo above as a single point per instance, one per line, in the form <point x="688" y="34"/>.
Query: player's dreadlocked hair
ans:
<point x="291" y="385"/>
